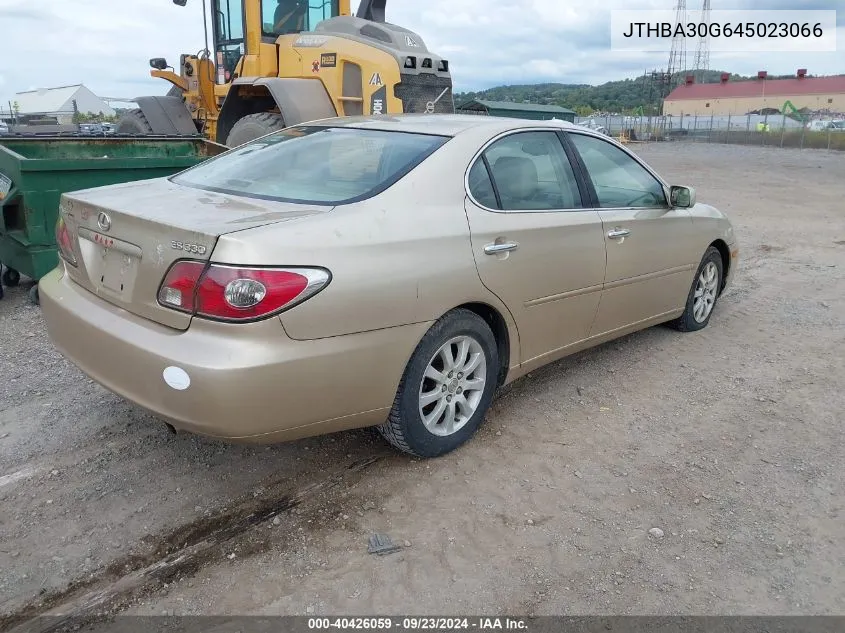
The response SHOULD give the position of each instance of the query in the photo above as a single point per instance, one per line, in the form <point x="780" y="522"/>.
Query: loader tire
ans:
<point x="253" y="126"/>
<point x="133" y="122"/>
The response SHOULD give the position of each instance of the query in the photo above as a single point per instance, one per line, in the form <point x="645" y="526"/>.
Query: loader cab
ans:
<point x="284" y="17"/>
<point x="233" y="19"/>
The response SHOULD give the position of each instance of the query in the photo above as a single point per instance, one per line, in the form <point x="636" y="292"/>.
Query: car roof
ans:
<point x="440" y="124"/>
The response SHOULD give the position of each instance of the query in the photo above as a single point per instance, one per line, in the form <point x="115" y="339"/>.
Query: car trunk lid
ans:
<point x="127" y="236"/>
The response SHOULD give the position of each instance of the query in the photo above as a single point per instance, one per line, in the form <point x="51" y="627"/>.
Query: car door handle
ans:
<point x="504" y="247"/>
<point x="617" y="233"/>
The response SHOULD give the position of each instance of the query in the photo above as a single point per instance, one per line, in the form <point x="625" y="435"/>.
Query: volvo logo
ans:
<point x="104" y="221"/>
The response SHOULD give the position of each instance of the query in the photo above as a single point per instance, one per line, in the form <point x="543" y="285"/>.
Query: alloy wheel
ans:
<point x="453" y="385"/>
<point x="706" y="289"/>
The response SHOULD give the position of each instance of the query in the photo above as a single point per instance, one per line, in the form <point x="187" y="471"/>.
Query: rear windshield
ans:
<point x="314" y="164"/>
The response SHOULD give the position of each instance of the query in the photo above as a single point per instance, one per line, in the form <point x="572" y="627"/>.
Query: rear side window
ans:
<point x="530" y="172"/>
<point x="480" y="185"/>
<point x="314" y="165"/>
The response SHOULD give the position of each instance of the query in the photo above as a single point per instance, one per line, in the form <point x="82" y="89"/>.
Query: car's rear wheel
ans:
<point x="447" y="387"/>
<point x="703" y="294"/>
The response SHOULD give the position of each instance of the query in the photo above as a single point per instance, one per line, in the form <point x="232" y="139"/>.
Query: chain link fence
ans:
<point x="767" y="130"/>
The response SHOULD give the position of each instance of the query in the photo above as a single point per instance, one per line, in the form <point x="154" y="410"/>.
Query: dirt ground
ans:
<point x="730" y="441"/>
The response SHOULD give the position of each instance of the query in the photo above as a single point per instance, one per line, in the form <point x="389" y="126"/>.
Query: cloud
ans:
<point x="22" y="13"/>
<point x="803" y="5"/>
<point x="107" y="44"/>
<point x="104" y="44"/>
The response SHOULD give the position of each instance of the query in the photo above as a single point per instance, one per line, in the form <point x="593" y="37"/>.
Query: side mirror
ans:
<point x="682" y="197"/>
<point x="180" y="3"/>
<point x="159" y="63"/>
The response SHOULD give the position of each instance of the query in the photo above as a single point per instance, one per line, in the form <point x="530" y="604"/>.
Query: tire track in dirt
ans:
<point x="176" y="554"/>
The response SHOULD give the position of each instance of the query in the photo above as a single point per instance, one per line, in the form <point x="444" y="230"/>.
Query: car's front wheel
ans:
<point x="447" y="387"/>
<point x="703" y="294"/>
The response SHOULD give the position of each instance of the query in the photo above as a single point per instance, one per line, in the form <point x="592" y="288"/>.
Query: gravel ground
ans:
<point x="662" y="473"/>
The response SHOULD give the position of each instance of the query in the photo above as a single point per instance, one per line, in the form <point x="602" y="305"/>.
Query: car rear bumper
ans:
<point x="248" y="382"/>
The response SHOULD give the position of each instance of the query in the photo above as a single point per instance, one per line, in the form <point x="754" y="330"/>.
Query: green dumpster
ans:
<point x="36" y="171"/>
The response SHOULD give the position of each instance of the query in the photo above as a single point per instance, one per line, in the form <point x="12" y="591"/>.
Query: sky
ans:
<point x="106" y="44"/>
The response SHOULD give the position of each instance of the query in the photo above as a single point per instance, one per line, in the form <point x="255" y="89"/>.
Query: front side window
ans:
<point x="619" y="180"/>
<point x="282" y="17"/>
<point x="530" y="171"/>
<point x="314" y="165"/>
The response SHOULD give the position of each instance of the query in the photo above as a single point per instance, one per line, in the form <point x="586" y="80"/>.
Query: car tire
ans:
<point x="431" y="390"/>
<point x="254" y="126"/>
<point x="703" y="294"/>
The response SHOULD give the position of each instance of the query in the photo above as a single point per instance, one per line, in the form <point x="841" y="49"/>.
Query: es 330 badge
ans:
<point x="197" y="249"/>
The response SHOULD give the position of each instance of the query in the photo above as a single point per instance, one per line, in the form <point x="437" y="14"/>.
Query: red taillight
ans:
<point x="64" y="242"/>
<point x="232" y="293"/>
<point x="179" y="285"/>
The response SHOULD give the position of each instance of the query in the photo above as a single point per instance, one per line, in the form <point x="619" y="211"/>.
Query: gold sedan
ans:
<point x="386" y="271"/>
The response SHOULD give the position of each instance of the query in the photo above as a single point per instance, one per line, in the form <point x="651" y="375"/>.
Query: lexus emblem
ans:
<point x="104" y="221"/>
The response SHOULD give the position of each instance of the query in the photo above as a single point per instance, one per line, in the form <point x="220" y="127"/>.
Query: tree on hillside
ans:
<point x="626" y="96"/>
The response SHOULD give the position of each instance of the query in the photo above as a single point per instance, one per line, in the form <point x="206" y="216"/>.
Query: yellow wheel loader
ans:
<point x="277" y="63"/>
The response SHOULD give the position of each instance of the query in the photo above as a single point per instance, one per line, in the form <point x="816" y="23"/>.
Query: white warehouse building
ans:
<point x="60" y="103"/>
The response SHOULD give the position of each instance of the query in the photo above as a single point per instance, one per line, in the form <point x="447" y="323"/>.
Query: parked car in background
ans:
<point x="823" y="125"/>
<point x="4" y="127"/>
<point x="592" y="124"/>
<point x="94" y="129"/>
<point x="385" y="271"/>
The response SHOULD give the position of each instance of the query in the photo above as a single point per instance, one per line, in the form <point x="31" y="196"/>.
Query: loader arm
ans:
<point x="172" y="77"/>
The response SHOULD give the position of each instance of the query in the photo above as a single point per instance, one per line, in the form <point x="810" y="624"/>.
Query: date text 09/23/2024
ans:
<point x="420" y="624"/>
